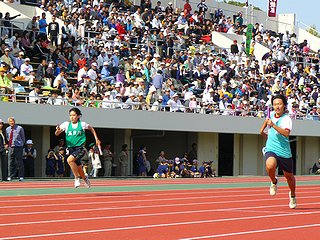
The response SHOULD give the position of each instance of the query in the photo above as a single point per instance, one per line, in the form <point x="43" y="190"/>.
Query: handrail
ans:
<point x="184" y="109"/>
<point x="307" y="27"/>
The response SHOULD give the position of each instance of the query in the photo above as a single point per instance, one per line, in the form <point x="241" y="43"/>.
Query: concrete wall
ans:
<point x="208" y="148"/>
<point x="286" y="22"/>
<point x="250" y="155"/>
<point x="48" y="115"/>
<point x="311" y="153"/>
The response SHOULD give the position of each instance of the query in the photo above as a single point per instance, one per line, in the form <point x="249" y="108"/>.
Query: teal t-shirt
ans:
<point x="276" y="142"/>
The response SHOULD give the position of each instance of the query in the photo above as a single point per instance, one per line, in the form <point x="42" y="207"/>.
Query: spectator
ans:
<point x="7" y="23"/>
<point x="107" y="160"/>
<point x="51" y="163"/>
<point x="3" y="155"/>
<point x="6" y="58"/>
<point x="43" y="24"/>
<point x="187" y="8"/>
<point x="94" y="159"/>
<point x="141" y="161"/>
<point x="26" y="70"/>
<point x="29" y="156"/>
<point x="16" y="140"/>
<point x="316" y="167"/>
<point x="202" y="6"/>
<point x="123" y="160"/>
<point x="18" y="61"/>
<point x="34" y="95"/>
<point x="53" y="31"/>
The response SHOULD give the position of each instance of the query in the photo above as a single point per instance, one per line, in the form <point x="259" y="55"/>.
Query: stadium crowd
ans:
<point x="157" y="58"/>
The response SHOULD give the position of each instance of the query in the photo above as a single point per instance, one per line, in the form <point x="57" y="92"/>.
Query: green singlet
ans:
<point x="75" y="137"/>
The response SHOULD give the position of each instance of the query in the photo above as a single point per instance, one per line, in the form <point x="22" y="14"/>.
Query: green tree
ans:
<point x="313" y="30"/>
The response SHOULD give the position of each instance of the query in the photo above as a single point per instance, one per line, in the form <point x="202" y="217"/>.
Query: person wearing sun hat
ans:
<point x="6" y="58"/>
<point x="29" y="156"/>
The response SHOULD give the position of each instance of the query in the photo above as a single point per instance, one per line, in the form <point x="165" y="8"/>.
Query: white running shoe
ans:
<point x="87" y="182"/>
<point x="21" y="179"/>
<point x="274" y="188"/>
<point x="9" y="179"/>
<point x="292" y="202"/>
<point x="77" y="182"/>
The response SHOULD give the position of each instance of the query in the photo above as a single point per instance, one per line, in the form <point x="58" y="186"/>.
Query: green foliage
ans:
<point x="313" y="30"/>
<point x="239" y="4"/>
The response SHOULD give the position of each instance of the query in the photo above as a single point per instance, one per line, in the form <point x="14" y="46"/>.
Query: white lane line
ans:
<point x="160" y="225"/>
<point x="253" y="231"/>
<point x="148" y="206"/>
<point x="245" y="209"/>
<point x="144" y="200"/>
<point x="51" y="197"/>
<point x="140" y="200"/>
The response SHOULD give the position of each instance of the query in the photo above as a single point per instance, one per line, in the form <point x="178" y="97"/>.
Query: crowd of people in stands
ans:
<point x="157" y="58"/>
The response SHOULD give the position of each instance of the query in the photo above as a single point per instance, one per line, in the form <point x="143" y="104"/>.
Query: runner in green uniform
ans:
<point x="76" y="139"/>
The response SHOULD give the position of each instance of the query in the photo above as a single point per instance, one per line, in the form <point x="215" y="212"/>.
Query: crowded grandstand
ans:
<point x="153" y="57"/>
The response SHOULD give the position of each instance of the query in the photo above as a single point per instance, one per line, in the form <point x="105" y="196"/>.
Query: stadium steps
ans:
<point x="224" y="40"/>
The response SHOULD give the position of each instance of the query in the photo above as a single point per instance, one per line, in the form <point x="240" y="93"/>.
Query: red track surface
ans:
<point x="240" y="213"/>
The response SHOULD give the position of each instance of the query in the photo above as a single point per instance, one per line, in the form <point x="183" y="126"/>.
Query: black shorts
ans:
<point x="286" y="164"/>
<point x="78" y="153"/>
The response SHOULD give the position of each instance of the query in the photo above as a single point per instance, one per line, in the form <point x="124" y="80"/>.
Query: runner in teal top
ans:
<point x="277" y="150"/>
<point x="76" y="139"/>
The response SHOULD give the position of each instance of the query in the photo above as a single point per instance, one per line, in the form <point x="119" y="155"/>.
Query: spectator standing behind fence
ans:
<point x="3" y="156"/>
<point x="107" y="160"/>
<point x="43" y="24"/>
<point x="123" y="160"/>
<point x="53" y="31"/>
<point x="7" y="24"/>
<point x="16" y="136"/>
<point x="29" y="156"/>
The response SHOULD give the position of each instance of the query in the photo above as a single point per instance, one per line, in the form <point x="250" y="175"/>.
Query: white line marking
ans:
<point x="50" y="197"/>
<point x="160" y="225"/>
<point x="149" y="206"/>
<point x="254" y="231"/>
<point x="139" y="200"/>
<point x="245" y="209"/>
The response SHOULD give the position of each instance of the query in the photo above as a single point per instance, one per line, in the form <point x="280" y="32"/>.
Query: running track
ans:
<point x="147" y="209"/>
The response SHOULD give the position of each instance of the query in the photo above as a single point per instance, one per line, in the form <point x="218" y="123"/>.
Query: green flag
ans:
<point x="248" y="37"/>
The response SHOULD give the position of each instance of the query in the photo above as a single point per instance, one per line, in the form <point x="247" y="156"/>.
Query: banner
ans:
<point x="248" y="37"/>
<point x="272" y="10"/>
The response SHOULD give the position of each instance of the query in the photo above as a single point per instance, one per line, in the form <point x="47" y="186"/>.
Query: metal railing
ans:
<point x="213" y="109"/>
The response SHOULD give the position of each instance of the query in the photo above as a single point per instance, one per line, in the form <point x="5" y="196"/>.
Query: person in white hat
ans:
<point x="27" y="71"/>
<point x="130" y="102"/>
<point x="157" y="105"/>
<point x="3" y="157"/>
<point x="29" y="156"/>
<point x="92" y="73"/>
<point x="6" y="58"/>
<point x="175" y="104"/>
<point x="18" y="61"/>
<point x="107" y="100"/>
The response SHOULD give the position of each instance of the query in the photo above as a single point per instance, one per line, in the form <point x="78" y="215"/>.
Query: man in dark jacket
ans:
<point x="3" y="157"/>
